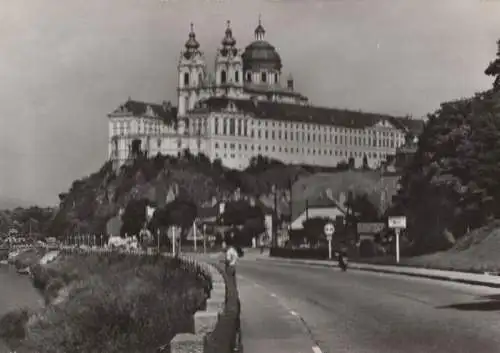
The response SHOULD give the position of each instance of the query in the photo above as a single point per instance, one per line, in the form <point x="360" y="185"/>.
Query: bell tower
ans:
<point x="228" y="67"/>
<point x="191" y="70"/>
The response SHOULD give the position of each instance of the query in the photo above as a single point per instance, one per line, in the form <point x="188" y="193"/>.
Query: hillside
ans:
<point x="94" y="200"/>
<point x="477" y="251"/>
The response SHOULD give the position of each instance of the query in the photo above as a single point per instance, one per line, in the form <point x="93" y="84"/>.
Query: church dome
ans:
<point x="261" y="55"/>
<point x="192" y="43"/>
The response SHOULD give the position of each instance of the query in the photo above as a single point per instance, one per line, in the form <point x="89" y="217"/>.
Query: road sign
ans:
<point x="398" y="222"/>
<point x="329" y="229"/>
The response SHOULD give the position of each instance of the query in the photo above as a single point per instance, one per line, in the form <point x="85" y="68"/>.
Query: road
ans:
<point x="15" y="292"/>
<point x="363" y="312"/>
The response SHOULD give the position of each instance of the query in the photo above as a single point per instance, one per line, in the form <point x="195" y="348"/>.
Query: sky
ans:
<point x="66" y="64"/>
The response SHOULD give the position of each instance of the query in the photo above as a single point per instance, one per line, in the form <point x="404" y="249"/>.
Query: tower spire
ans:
<point x="259" y="31"/>
<point x="192" y="44"/>
<point x="228" y="40"/>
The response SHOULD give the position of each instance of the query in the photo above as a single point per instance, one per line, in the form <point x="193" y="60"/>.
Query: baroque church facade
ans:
<point x="245" y="108"/>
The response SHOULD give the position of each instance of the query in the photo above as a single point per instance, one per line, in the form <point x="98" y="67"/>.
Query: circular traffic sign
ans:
<point x="329" y="229"/>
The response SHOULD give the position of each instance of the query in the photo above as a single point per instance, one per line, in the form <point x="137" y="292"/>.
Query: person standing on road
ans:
<point x="231" y="257"/>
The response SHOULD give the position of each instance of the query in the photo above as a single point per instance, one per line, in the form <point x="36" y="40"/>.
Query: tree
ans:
<point x="314" y="228"/>
<point x="252" y="228"/>
<point x="452" y="183"/>
<point x="181" y="212"/>
<point x="134" y="217"/>
<point x="238" y="212"/>
<point x="363" y="209"/>
<point x="365" y="162"/>
<point x="493" y="69"/>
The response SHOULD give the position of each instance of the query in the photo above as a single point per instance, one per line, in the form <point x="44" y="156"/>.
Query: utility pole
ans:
<point x="290" y="206"/>
<point x="275" y="220"/>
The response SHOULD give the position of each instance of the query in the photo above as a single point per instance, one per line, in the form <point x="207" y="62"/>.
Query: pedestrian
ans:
<point x="231" y="257"/>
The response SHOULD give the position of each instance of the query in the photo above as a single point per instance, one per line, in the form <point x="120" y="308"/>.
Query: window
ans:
<point x="263" y="77"/>
<point x="216" y="145"/>
<point x="249" y="76"/>
<point x="223" y="77"/>
<point x="232" y="127"/>
<point x="159" y="143"/>
<point x="236" y="76"/>
<point x="186" y="79"/>
<point x="216" y="127"/>
<point x="224" y="127"/>
<point x="200" y="79"/>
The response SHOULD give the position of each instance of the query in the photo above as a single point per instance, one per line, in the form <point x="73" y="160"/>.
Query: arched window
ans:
<point x="263" y="77"/>
<point x="223" y="76"/>
<point x="236" y="77"/>
<point x="186" y="78"/>
<point x="249" y="76"/>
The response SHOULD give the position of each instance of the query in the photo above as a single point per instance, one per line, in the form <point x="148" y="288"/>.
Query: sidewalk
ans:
<point x="267" y="325"/>
<point x="453" y="276"/>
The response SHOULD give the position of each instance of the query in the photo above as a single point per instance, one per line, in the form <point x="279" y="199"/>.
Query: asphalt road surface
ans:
<point x="16" y="291"/>
<point x="363" y="312"/>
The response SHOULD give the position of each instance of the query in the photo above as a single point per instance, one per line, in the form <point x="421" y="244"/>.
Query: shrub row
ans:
<point x="113" y="303"/>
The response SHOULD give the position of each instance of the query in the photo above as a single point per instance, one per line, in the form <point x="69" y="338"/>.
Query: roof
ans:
<point x="165" y="111"/>
<point x="310" y="114"/>
<point x="260" y="54"/>
<point x="272" y="89"/>
<point x="330" y="212"/>
<point x="208" y="211"/>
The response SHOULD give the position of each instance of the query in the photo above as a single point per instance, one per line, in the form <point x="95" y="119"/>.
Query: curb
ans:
<point x="354" y="266"/>
<point x="207" y="319"/>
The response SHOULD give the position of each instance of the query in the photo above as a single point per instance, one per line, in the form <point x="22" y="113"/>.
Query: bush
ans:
<point x="12" y="326"/>
<point x="367" y="248"/>
<point x="115" y="303"/>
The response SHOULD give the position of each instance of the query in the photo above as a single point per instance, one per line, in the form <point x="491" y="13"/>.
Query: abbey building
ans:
<point x="245" y="108"/>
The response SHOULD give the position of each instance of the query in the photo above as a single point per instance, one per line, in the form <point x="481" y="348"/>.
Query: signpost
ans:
<point x="194" y="236"/>
<point x="329" y="230"/>
<point x="397" y="223"/>
<point x="204" y="238"/>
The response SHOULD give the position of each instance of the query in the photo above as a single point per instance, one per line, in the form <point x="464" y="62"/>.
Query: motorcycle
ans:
<point x="343" y="262"/>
